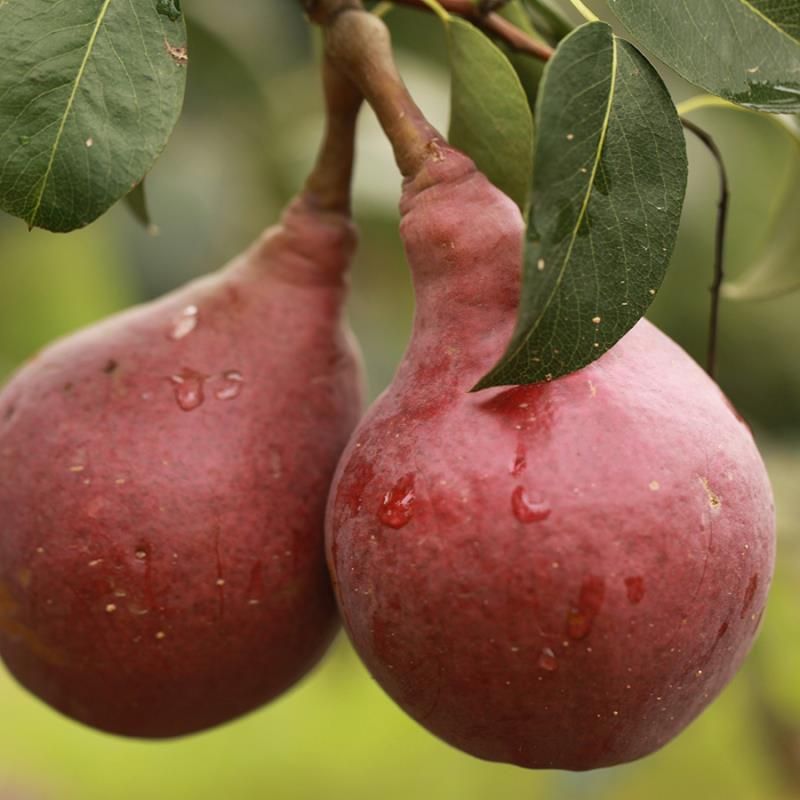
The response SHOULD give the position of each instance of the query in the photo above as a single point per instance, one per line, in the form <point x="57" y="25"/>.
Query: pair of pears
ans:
<point x="554" y="575"/>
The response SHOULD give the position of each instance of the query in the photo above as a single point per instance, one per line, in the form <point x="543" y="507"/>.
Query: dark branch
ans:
<point x="719" y="242"/>
<point x="492" y="23"/>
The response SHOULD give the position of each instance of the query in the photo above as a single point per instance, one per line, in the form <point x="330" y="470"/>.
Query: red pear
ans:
<point x="163" y="478"/>
<point x="560" y="575"/>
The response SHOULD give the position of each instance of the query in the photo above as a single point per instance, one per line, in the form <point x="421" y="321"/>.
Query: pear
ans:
<point x="163" y="478"/>
<point x="561" y="575"/>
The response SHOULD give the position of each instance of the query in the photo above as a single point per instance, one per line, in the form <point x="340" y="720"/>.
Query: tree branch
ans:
<point x="719" y="241"/>
<point x="492" y="23"/>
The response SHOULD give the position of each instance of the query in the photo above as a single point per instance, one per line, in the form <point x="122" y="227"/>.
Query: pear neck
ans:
<point x="311" y="246"/>
<point x="464" y="242"/>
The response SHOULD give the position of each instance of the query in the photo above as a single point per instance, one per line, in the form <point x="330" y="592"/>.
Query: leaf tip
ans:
<point x="488" y="381"/>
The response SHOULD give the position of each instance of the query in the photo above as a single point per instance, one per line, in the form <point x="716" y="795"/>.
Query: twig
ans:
<point x="719" y="242"/>
<point x="493" y="23"/>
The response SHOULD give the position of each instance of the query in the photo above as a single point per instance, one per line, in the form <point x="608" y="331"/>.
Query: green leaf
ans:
<point x="136" y="201"/>
<point x="490" y="119"/>
<point x="89" y="93"/>
<point x="747" y="51"/>
<point x="777" y="272"/>
<point x="550" y="20"/>
<point x="609" y="181"/>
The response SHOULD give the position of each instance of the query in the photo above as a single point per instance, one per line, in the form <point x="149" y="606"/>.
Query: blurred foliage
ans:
<point x="242" y="148"/>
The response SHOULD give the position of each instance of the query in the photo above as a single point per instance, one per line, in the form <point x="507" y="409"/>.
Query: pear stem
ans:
<point x="328" y="186"/>
<point x="359" y="45"/>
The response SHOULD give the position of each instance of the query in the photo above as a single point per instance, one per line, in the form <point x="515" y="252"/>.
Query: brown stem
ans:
<point x="358" y="43"/>
<point x="493" y="23"/>
<point x="328" y="185"/>
<point x="719" y="242"/>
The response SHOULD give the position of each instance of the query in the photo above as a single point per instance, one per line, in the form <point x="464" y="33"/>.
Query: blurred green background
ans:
<point x="242" y="148"/>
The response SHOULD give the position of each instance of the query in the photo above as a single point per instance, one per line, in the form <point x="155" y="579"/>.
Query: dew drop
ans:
<point x="547" y="660"/>
<point x="525" y="509"/>
<point x="184" y="323"/>
<point x="581" y="616"/>
<point x="520" y="461"/>
<point x="230" y="385"/>
<point x="398" y="503"/>
<point x="188" y="386"/>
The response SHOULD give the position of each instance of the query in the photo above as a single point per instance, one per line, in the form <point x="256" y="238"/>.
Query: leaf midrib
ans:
<point x="769" y="22"/>
<point x="70" y="102"/>
<point x="584" y="206"/>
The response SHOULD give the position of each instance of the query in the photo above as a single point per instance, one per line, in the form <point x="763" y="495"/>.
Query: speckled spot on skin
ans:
<point x="713" y="498"/>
